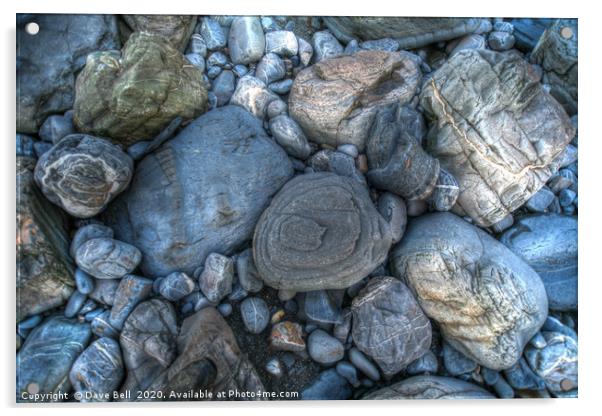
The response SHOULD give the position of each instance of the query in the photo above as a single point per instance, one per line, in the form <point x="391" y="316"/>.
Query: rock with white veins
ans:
<point x="105" y="258"/>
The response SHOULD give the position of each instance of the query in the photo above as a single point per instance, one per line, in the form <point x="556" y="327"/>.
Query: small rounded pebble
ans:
<point x="75" y="303"/>
<point x="255" y="314"/>
<point x="175" y="286"/>
<point x="323" y="348"/>
<point x="225" y="309"/>
<point x="362" y="363"/>
<point x="347" y="370"/>
<point x="83" y="281"/>
<point x="274" y="367"/>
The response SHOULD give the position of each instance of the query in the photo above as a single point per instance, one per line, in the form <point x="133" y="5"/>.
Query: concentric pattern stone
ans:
<point x="133" y="95"/>
<point x="82" y="174"/>
<point x="176" y="28"/>
<point x="494" y="129"/>
<point x="321" y="231"/>
<point x="430" y="387"/>
<point x="334" y="101"/>
<point x="105" y="258"/>
<point x="389" y="326"/>
<point x="487" y="301"/>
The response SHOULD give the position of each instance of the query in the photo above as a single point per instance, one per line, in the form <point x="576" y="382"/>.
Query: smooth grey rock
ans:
<point x="321" y="231"/>
<point x="105" y="258"/>
<point x="446" y="192"/>
<point x="342" y="328"/>
<point x="246" y="40"/>
<point x="223" y="87"/>
<point x="84" y="282"/>
<point x="455" y="362"/>
<point x="255" y="314"/>
<point x="247" y="273"/>
<point x="88" y="232"/>
<point x="82" y="174"/>
<point x="324" y="348"/>
<point x="487" y="301"/>
<point x="44" y="360"/>
<point x="175" y="286"/>
<point x="426" y="364"/>
<point x="253" y="95"/>
<point x="329" y="385"/>
<point x="289" y="135"/>
<point x="281" y="42"/>
<point x="430" y="387"/>
<point x="490" y="376"/>
<point x="347" y="370"/>
<point x="500" y="41"/>
<point x="325" y="46"/>
<point x="393" y="209"/>
<point x="276" y="108"/>
<point x="55" y="127"/>
<point x="274" y="367"/>
<point x="104" y="291"/>
<point x="74" y="304"/>
<point x="540" y="200"/>
<point x="216" y="279"/>
<point x="320" y="307"/>
<point x="98" y="371"/>
<point x="281" y="87"/>
<point x="212" y="34"/>
<point x="306" y="51"/>
<point x="503" y="389"/>
<point x="131" y="291"/>
<point x="348" y="149"/>
<point x="240" y="70"/>
<point x="363" y="364"/>
<point x="225" y="309"/>
<point x="201" y="192"/>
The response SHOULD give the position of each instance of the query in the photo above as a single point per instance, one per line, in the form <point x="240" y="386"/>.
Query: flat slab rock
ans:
<point x="321" y="231"/>
<point x="495" y="129"/>
<point x="487" y="301"/>
<point x="201" y="192"/>
<point x="430" y="387"/>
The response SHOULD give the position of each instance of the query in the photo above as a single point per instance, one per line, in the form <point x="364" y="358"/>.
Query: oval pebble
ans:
<point x="255" y="314"/>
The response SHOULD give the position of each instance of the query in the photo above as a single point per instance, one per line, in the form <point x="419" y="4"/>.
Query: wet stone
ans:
<point x="223" y="87"/>
<point x="131" y="291"/>
<point x="75" y="303"/>
<point x="104" y="291"/>
<point x="255" y="314"/>
<point x="385" y="44"/>
<point x="323" y="348"/>
<point x="101" y="327"/>
<point x="105" y="258"/>
<point x="216" y="279"/>
<point x="501" y="41"/>
<point x="347" y="370"/>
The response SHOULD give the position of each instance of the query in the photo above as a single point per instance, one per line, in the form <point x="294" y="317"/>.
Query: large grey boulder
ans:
<point x="487" y="301"/>
<point x="430" y="387"/>
<point x="201" y="192"/>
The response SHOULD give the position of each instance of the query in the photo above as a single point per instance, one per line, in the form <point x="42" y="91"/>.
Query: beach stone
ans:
<point x="520" y="376"/>
<point x="217" y="59"/>
<point x="540" y="200"/>
<point x="487" y="301"/>
<point x="213" y="34"/>
<point x="101" y="327"/>
<point x="500" y="41"/>
<point x="176" y="28"/>
<point x="287" y="336"/>
<point x="446" y="192"/>
<point x="426" y="364"/>
<point x="331" y="110"/>
<point x="528" y="31"/>
<point x="223" y="87"/>
<point x="105" y="258"/>
<point x="362" y="363"/>
<point x="44" y="267"/>
<point x="455" y="362"/>
<point x="197" y="45"/>
<point x="393" y="210"/>
<point x="342" y="328"/>
<point x="290" y="136"/>
<point x="548" y="243"/>
<point x="270" y="68"/>
<point x="471" y="41"/>
<point x="98" y="371"/>
<point x="429" y="387"/>
<point x="44" y="360"/>
<point x="485" y="146"/>
<point x="384" y="44"/>
<point x="208" y="186"/>
<point x="255" y="314"/>
<point x="388" y="325"/>
<point x="306" y="51"/>
<point x="75" y="303"/>
<point x="557" y="53"/>
<point x="88" y="232"/>
<point x="253" y="95"/>
<point x="104" y="291"/>
<point x="320" y="307"/>
<point x="134" y="94"/>
<point x="325" y="46"/>
<point x="55" y="127"/>
<point x="281" y="42"/>
<point x="216" y="279"/>
<point x="324" y="348"/>
<point x="246" y="40"/>
<point x="25" y="147"/>
<point x="247" y="273"/>
<point x="131" y="291"/>
<point x="281" y="87"/>
<point x="503" y="224"/>
<point x="48" y="62"/>
<point x="175" y="286"/>
<point x="347" y="370"/>
<point x="82" y="174"/>
<point x="321" y="231"/>
<point x="329" y="385"/>
<point x="225" y="309"/>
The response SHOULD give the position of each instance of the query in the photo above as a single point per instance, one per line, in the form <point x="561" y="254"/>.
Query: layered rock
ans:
<point x="430" y="387"/>
<point x="176" y="28"/>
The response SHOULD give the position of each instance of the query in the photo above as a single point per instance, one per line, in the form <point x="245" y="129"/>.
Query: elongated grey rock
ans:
<point x="255" y="314"/>
<point x="290" y="136"/>
<point x="393" y="209"/>
<point x="246" y="40"/>
<point x="105" y="258"/>
<point x="430" y="387"/>
<point x="321" y="231"/>
<point x="131" y="291"/>
<point x="82" y="174"/>
<point x="487" y="301"/>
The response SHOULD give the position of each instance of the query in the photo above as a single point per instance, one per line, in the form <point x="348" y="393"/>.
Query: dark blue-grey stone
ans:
<point x="528" y="31"/>
<point x="212" y="34"/>
<point x="521" y="377"/>
<point x="426" y="364"/>
<point x="362" y="363"/>
<point x="290" y="136"/>
<point x="566" y="197"/>
<point x="490" y="376"/>
<point x="320" y="307"/>
<point x="131" y="291"/>
<point x="56" y="126"/>
<point x="385" y="44"/>
<point x="83" y="281"/>
<point x="329" y="385"/>
<point x="325" y="46"/>
<point x="197" y="60"/>
<point x="347" y="370"/>
<point x="44" y="360"/>
<point x="225" y="309"/>
<point x="88" y="232"/>
<point x="223" y="87"/>
<point x="74" y="304"/>
<point x="503" y="389"/>
<point x="246" y="40"/>
<point x="248" y="276"/>
<point x="554" y="325"/>
<point x="344" y="165"/>
<point x="352" y="47"/>
<point x="25" y="146"/>
<point x="240" y="70"/>
<point x="198" y="45"/>
<point x="89" y="317"/>
<point x="29" y="323"/>
<point x="455" y="362"/>
<point x="540" y="200"/>
<point x="89" y="305"/>
<point x="500" y="41"/>
<point x="175" y="286"/>
<point x="281" y="87"/>
<point x="217" y="59"/>
<point x="324" y="348"/>
<point x="104" y="291"/>
<point x="213" y="71"/>
<point x="281" y="42"/>
<point x="271" y="68"/>
<point x="101" y="327"/>
<point x="41" y="147"/>
<point x="255" y="314"/>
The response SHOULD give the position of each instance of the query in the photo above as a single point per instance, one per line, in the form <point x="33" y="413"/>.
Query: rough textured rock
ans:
<point x="557" y="53"/>
<point x="334" y="101"/>
<point x="389" y="326"/>
<point x="287" y="336"/>
<point x="82" y="174"/>
<point x="253" y="95"/>
<point x="105" y="258"/>
<point x="430" y="387"/>
<point x="47" y="62"/>
<point x="131" y="291"/>
<point x="135" y="94"/>
<point x="487" y="301"/>
<point x="321" y="231"/>
<point x="548" y="243"/>
<point x="409" y="32"/>
<point x="494" y="129"/>
<point x="176" y="28"/>
<point x="44" y="360"/>
<point x="216" y="279"/>
<point x="396" y="160"/>
<point x="44" y="268"/>
<point x="201" y="192"/>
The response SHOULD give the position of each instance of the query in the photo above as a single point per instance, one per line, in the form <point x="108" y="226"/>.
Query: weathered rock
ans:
<point x="271" y="68"/>
<point x="501" y="41"/>
<point x="131" y="291"/>
<point x="255" y="314"/>
<point x="216" y="279"/>
<point x="213" y="34"/>
<point x="176" y="28"/>
<point x="44" y="360"/>
<point x="455" y="362"/>
<point x="409" y="32"/>
<point x="201" y="192"/>
<point x="289" y="135"/>
<point x="466" y="42"/>
<point x="133" y="95"/>
<point x="281" y="42"/>
<point x="88" y="232"/>
<point x="388" y="325"/>
<point x="521" y="376"/>
<point x="557" y="53"/>
<point x="335" y="100"/>
<point x="104" y="291"/>
<point x="44" y="269"/>
<point x="329" y="385"/>
<point x="321" y="231"/>
<point x="396" y="160"/>
<point x="324" y="348"/>
<point x="252" y="95"/>
<point x="487" y="301"/>
<point x="101" y="327"/>
<point x="548" y="243"/>
<point x="540" y="200"/>
<point x="306" y="51"/>
<point x="446" y="192"/>
<point x="247" y="273"/>
<point x="430" y="387"/>
<point x="393" y="209"/>
<point x="325" y="46"/>
<point x="246" y="40"/>
<point x="98" y="371"/>
<point x="223" y="87"/>
<point x="105" y="258"/>
<point x="528" y="31"/>
<point x="47" y="62"/>
<point x="287" y="336"/>
<point x="56" y="127"/>
<point x="82" y="174"/>
<point x="319" y="306"/>
<point x="175" y="286"/>
<point x="488" y="131"/>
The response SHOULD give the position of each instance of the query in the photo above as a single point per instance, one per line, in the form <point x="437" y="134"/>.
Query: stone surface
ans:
<point x="364" y="364"/>
<point x="289" y="135"/>
<point x="56" y="127"/>
<point x="105" y="258"/>
<point x="246" y="40"/>
<point x="175" y="286"/>
<point x="88" y="232"/>
<point x="324" y="348"/>
<point x="455" y="362"/>
<point x="325" y="46"/>
<point x="501" y="41"/>
<point x="321" y="231"/>
<point x="471" y="41"/>
<point x="329" y="385"/>
<point x="548" y="243"/>
<point x="430" y="387"/>
<point x="44" y="360"/>
<point x="426" y="364"/>
<point x="253" y="95"/>
<point x="216" y="279"/>
<point x="287" y="336"/>
<point x="131" y="291"/>
<point x="334" y="110"/>
<point x="247" y="273"/>
<point x="446" y="192"/>
<point x="281" y="42"/>
<point x="104" y="291"/>
<point x="202" y="192"/>
<point x="135" y="94"/>
<point x="176" y="28"/>
<point x="486" y="147"/>
<point x="393" y="209"/>
<point x="528" y="31"/>
<point x="82" y="174"/>
<point x="487" y="301"/>
<point x="255" y="314"/>
<point x="44" y="269"/>
<point x="388" y="325"/>
<point x="47" y="62"/>
<point x="213" y="34"/>
<point x="98" y="371"/>
<point x="75" y="303"/>
<point x="306" y="51"/>
<point x="320" y="306"/>
<point x="540" y="200"/>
